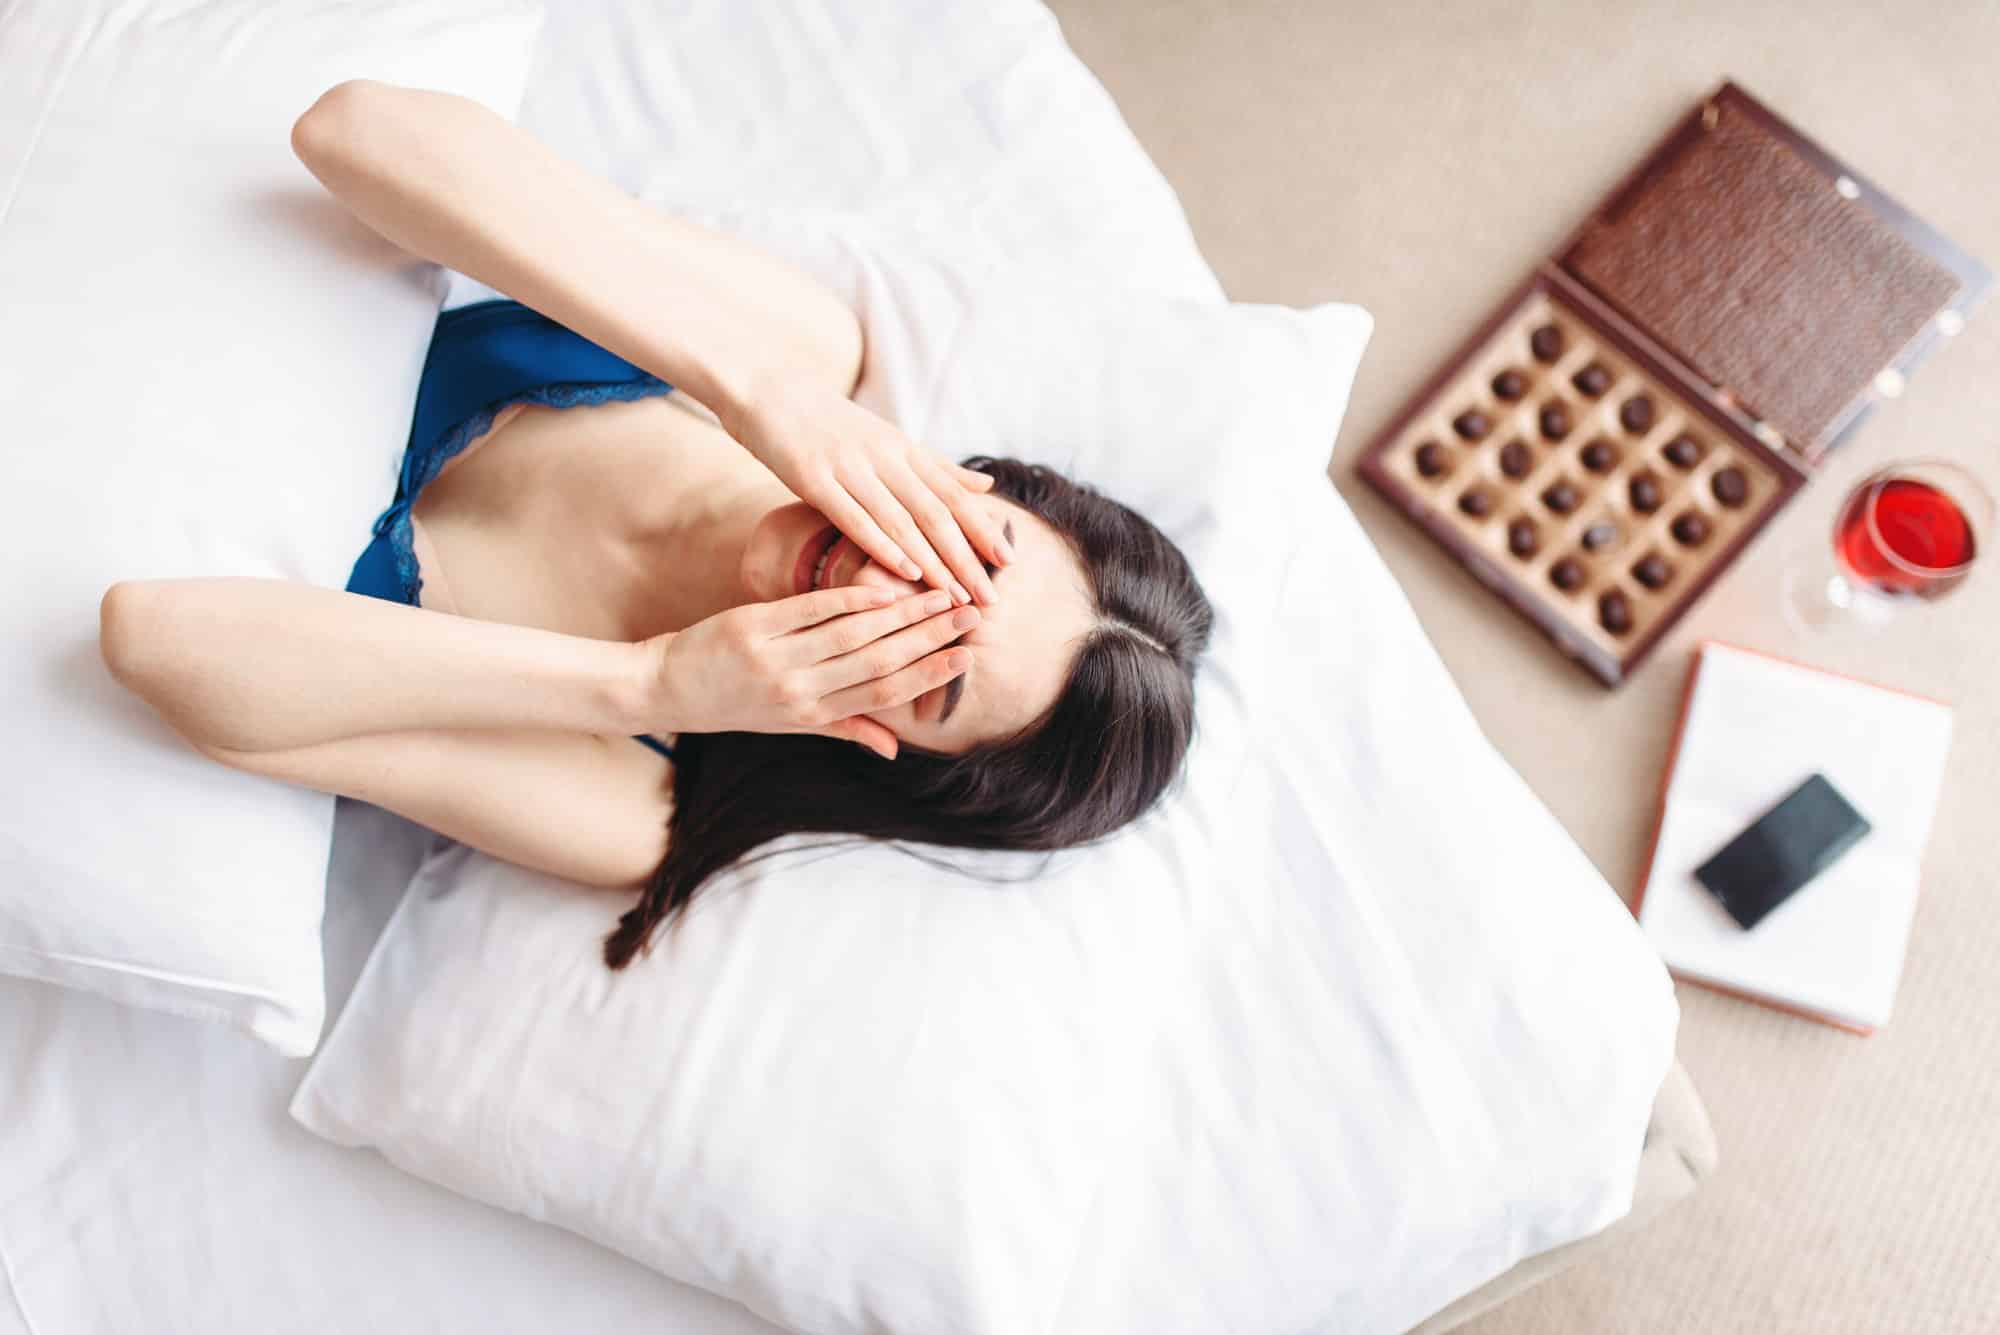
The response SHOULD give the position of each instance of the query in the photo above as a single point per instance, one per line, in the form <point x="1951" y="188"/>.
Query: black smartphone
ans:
<point x="1782" y="849"/>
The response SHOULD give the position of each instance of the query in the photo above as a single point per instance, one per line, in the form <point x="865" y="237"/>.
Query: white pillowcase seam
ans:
<point x="307" y="1096"/>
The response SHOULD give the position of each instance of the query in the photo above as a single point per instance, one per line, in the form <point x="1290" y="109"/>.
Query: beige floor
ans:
<point x="1419" y="158"/>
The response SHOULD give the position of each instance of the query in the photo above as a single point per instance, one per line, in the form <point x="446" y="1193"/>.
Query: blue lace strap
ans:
<point x="655" y="744"/>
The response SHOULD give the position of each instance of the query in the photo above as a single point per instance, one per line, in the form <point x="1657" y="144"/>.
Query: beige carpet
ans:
<point x="1419" y="158"/>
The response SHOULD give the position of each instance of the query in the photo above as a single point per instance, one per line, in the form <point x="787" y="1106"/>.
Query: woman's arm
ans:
<point x="766" y="348"/>
<point x="447" y="179"/>
<point x="248" y="665"/>
<point x="507" y="738"/>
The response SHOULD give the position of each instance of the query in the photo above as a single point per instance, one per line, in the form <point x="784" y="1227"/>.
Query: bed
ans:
<point x="245" y="1222"/>
<point x="150" y="1179"/>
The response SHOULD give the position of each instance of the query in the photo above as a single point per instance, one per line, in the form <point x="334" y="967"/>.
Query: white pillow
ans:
<point x="1280" y="1057"/>
<point x="206" y="367"/>
<point x="970" y="124"/>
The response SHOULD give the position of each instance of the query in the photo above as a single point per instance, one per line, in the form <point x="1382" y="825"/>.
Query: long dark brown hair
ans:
<point x="1103" y="753"/>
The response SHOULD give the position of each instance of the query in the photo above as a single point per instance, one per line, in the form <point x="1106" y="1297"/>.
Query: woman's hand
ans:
<point x="907" y="508"/>
<point x="449" y="180"/>
<point x="814" y="663"/>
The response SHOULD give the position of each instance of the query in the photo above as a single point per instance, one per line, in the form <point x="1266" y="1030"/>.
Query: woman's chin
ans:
<point x="758" y="586"/>
<point x="762" y="556"/>
<point x="769" y="559"/>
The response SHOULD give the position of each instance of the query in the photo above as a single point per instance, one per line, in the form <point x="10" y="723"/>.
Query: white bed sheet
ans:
<point x="150" y="1179"/>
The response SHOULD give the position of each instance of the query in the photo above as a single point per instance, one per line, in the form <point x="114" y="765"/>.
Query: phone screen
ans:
<point x="1782" y="850"/>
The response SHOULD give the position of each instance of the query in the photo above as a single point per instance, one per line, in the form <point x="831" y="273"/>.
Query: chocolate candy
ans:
<point x="1690" y="529"/>
<point x="1652" y="571"/>
<point x="1682" y="452"/>
<point x="1730" y="486"/>
<point x="1522" y="539"/>
<point x="1555" y="421"/>
<point x="1589" y="488"/>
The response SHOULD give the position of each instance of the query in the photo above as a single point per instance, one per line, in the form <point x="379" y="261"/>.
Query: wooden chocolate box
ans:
<point x="1613" y="436"/>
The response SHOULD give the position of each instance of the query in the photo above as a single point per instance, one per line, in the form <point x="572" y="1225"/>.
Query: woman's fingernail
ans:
<point x="911" y="570"/>
<point x="958" y="592"/>
<point x="958" y="660"/>
<point x="965" y="618"/>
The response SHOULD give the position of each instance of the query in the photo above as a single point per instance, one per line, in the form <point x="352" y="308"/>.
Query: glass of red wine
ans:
<point x="1907" y="534"/>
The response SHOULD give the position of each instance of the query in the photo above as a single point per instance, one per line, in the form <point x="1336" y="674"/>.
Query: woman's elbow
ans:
<point x="121" y="633"/>
<point x="348" y="123"/>
<point x="134" y="622"/>
<point x="330" y="121"/>
<point x="132" y="640"/>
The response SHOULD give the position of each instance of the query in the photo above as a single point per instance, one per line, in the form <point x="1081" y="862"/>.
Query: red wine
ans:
<point x="1919" y="543"/>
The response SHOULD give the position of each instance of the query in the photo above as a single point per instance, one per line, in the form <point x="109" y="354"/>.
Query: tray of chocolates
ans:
<point x="1612" y="438"/>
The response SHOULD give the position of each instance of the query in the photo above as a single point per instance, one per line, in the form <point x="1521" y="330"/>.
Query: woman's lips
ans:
<point x="835" y="556"/>
<point x="817" y="546"/>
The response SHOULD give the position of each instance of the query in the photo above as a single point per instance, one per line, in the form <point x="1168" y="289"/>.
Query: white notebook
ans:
<point x="1752" y="728"/>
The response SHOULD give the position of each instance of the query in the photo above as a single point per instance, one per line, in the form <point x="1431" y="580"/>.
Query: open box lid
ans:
<point x="1798" y="291"/>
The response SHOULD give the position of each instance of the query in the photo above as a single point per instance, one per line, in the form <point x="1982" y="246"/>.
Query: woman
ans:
<point x="643" y="505"/>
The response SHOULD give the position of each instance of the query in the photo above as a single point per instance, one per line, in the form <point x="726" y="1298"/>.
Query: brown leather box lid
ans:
<point x="1735" y="247"/>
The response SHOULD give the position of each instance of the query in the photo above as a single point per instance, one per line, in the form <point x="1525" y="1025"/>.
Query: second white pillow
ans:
<point x="1274" y="1058"/>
